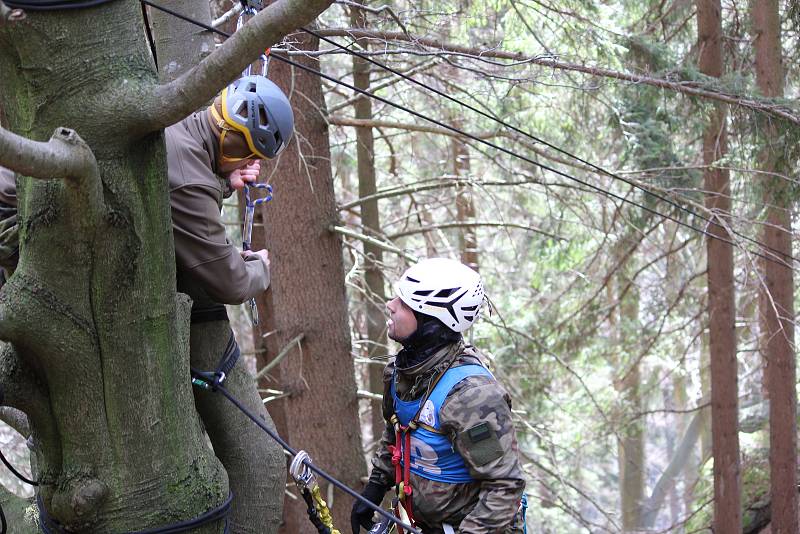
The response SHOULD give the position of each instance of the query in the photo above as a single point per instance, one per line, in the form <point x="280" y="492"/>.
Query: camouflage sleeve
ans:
<point x="477" y="415"/>
<point x="382" y="468"/>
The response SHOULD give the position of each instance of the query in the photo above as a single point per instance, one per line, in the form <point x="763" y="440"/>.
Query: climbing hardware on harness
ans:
<point x="318" y="511"/>
<point x="247" y="230"/>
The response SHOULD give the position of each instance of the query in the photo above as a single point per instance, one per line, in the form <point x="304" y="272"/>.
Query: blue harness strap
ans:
<point x="432" y="455"/>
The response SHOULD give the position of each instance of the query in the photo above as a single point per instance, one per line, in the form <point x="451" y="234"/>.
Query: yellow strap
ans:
<point x="322" y="509"/>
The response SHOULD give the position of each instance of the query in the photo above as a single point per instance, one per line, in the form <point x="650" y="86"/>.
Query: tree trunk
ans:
<point x="721" y="307"/>
<point x="307" y="298"/>
<point x="100" y="359"/>
<point x="180" y="45"/>
<point x="777" y="293"/>
<point x="106" y="382"/>
<point x="630" y="446"/>
<point x="375" y="297"/>
<point x="465" y="207"/>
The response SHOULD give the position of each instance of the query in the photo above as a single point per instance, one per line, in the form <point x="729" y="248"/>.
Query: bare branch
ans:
<point x="442" y="183"/>
<point x="65" y="156"/>
<point x="463" y="224"/>
<point x="281" y="355"/>
<point x="416" y="127"/>
<point x="685" y="87"/>
<point x="171" y="102"/>
<point x="232" y="12"/>
<point x="373" y="241"/>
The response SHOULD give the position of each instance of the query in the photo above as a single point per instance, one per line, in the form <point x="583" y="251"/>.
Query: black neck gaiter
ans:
<point x="430" y="336"/>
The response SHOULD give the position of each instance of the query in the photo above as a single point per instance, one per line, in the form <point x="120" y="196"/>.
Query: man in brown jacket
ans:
<point x="449" y="434"/>
<point x="211" y="154"/>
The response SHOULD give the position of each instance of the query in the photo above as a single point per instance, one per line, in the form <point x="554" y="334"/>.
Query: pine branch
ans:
<point x="694" y="89"/>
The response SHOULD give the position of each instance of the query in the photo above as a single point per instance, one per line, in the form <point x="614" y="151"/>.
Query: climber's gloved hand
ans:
<point x="361" y="515"/>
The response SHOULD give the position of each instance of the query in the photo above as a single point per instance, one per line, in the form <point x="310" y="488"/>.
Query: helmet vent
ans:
<point x="240" y="109"/>
<point x="444" y="293"/>
<point x="469" y="317"/>
<point x="251" y="88"/>
<point x="262" y="116"/>
<point x="278" y="139"/>
<point x="470" y="308"/>
<point x="412" y="279"/>
<point x="423" y="292"/>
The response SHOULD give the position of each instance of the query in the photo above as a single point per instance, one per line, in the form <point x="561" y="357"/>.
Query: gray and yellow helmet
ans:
<point x="256" y="107"/>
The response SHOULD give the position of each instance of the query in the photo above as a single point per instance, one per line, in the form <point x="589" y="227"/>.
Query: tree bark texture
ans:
<point x="631" y="453"/>
<point x="721" y="304"/>
<point x="101" y="341"/>
<point x="308" y="297"/>
<point x="776" y="300"/>
<point x="180" y="45"/>
<point x="375" y="295"/>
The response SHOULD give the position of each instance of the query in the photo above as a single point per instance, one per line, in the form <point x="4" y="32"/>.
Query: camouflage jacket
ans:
<point x="489" y="505"/>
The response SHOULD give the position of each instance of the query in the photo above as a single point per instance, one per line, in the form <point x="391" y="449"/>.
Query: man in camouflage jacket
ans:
<point x="475" y="415"/>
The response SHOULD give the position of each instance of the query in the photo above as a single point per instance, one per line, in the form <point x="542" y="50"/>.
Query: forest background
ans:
<point x="605" y="145"/>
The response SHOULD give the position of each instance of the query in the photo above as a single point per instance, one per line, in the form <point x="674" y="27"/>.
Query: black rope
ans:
<point x="149" y="33"/>
<point x="17" y="473"/>
<point x="201" y="380"/>
<point x="49" y="525"/>
<point x="537" y="139"/>
<point x="53" y="5"/>
<point x="486" y="142"/>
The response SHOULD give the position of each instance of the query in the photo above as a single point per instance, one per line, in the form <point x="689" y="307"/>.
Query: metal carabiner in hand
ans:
<point x="247" y="230"/>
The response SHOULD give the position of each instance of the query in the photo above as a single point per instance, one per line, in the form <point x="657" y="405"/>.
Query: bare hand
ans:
<point x="263" y="255"/>
<point x="246" y="174"/>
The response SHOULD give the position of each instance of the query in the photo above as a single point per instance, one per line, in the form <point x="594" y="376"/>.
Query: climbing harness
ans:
<point x="306" y="482"/>
<point x="247" y="229"/>
<point x="225" y="365"/>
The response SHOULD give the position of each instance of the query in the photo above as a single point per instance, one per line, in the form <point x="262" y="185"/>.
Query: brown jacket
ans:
<point x="209" y="267"/>
<point x="205" y="258"/>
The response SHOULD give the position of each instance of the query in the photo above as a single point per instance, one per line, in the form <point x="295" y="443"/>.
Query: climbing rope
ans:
<point x="247" y="228"/>
<point x="202" y="381"/>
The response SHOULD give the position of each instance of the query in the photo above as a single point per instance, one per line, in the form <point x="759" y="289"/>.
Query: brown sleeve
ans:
<point x="8" y="187"/>
<point x="202" y="250"/>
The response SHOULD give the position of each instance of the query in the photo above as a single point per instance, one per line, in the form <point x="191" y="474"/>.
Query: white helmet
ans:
<point x="445" y="289"/>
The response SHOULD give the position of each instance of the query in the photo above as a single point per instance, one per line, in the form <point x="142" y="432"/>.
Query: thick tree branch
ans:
<point x="171" y="102"/>
<point x="690" y="88"/>
<point x="65" y="156"/>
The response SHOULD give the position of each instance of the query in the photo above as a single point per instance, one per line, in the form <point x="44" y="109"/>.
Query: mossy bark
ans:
<point x="91" y="311"/>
